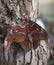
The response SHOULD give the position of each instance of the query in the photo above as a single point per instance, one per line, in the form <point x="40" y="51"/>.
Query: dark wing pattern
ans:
<point x="26" y="34"/>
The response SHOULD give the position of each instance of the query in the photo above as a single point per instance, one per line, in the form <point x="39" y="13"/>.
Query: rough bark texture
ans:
<point x="11" y="13"/>
<point x="40" y="55"/>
